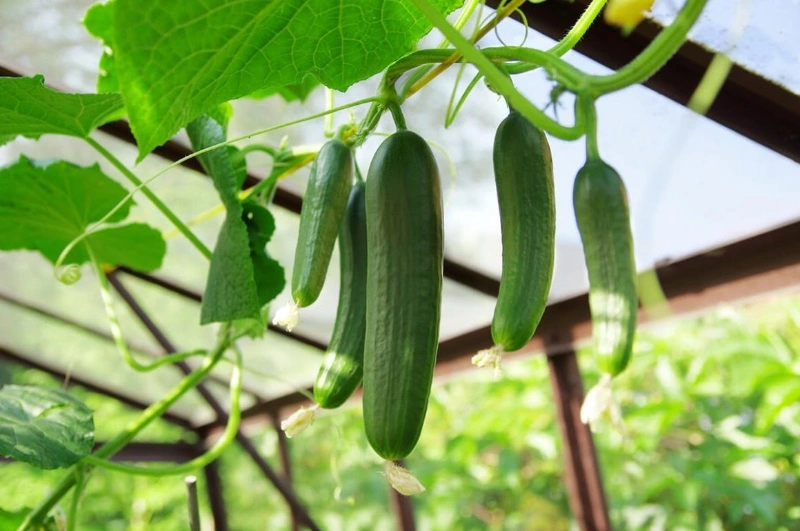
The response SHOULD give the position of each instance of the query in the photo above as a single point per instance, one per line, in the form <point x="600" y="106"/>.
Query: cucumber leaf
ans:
<point x="241" y="278"/>
<point x="44" y="205"/>
<point x="31" y="109"/>
<point x="44" y="427"/>
<point x="176" y="60"/>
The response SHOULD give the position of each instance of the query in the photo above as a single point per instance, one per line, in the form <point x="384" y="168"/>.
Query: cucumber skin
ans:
<point x="523" y="168"/>
<point x="342" y="367"/>
<point x="601" y="210"/>
<point x="322" y="213"/>
<point x="404" y="291"/>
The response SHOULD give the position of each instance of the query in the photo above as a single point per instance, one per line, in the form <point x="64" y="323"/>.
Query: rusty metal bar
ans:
<point x="222" y="417"/>
<point x="72" y="379"/>
<point x="216" y="499"/>
<point x="753" y="106"/>
<point x="586" y="495"/>
<point x="286" y="461"/>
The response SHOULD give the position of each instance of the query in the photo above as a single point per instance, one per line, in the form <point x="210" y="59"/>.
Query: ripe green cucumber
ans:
<point x="523" y="170"/>
<point x="601" y="209"/>
<point x="342" y="366"/>
<point x="323" y="209"/>
<point x="404" y="292"/>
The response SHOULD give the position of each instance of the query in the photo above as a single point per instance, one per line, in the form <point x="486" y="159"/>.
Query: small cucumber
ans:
<point x="601" y="209"/>
<point x="523" y="169"/>
<point x="323" y="209"/>
<point x="342" y="366"/>
<point x="404" y="291"/>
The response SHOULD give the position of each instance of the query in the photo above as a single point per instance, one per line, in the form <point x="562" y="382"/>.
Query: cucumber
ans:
<point x="523" y="169"/>
<point x="322" y="213"/>
<point x="404" y="292"/>
<point x="341" y="370"/>
<point x="601" y="209"/>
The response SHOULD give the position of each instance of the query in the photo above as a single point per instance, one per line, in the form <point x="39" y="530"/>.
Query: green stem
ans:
<point x="463" y="17"/>
<point x="153" y="412"/>
<point x="713" y="80"/>
<point x="580" y="28"/>
<point x="654" y="56"/>
<point x="72" y="515"/>
<point x="329" y="103"/>
<point x="202" y="461"/>
<point x="261" y="132"/>
<point x="163" y="208"/>
<point x="586" y="107"/>
<point x="271" y="151"/>
<point x="397" y="116"/>
<point x="493" y="75"/>
<point x="116" y="328"/>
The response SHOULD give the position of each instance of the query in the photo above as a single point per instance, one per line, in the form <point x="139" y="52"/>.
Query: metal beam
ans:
<point x="73" y="379"/>
<point x="586" y="495"/>
<point x="754" y="107"/>
<point x="286" y="461"/>
<point x="216" y="498"/>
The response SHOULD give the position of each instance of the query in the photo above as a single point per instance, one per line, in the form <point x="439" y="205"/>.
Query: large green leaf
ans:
<point x="176" y="60"/>
<point x="241" y="277"/>
<point x="30" y="109"/>
<point x="44" y="427"/>
<point x="45" y="205"/>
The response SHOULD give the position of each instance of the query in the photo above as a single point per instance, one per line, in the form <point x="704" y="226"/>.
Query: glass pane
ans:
<point x="760" y="36"/>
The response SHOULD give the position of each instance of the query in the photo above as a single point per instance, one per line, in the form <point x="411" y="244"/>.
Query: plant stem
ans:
<point x="580" y="28"/>
<point x="124" y="437"/>
<point x="397" y="116"/>
<point x="654" y="56"/>
<point x="586" y="107"/>
<point x="163" y="208"/>
<point x="116" y="328"/>
<point x="198" y="462"/>
<point x="413" y="85"/>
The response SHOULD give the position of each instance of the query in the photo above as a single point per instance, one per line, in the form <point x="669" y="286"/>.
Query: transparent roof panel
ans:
<point x="759" y="36"/>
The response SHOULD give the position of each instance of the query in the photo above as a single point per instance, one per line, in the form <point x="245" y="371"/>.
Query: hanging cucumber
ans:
<point x="404" y="288"/>
<point x="523" y="169"/>
<point x="601" y="210"/>
<point x="341" y="368"/>
<point x="342" y="365"/>
<point x="323" y="209"/>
